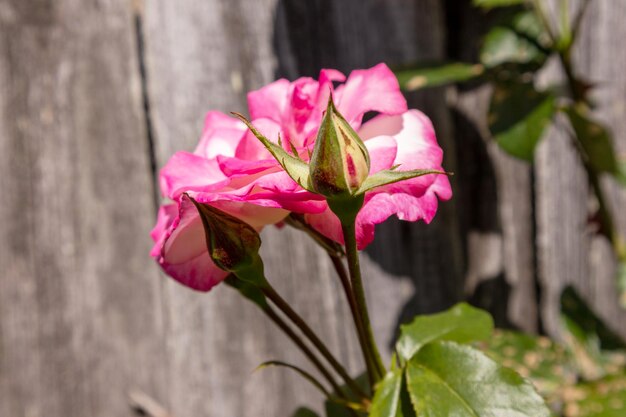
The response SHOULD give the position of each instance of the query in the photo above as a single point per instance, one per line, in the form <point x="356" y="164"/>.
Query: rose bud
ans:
<point x="340" y="161"/>
<point x="232" y="244"/>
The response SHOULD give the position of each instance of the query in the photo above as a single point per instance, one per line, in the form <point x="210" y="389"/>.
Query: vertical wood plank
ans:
<point x="495" y="191"/>
<point x="203" y="56"/>
<point x="569" y="252"/>
<point x="79" y="299"/>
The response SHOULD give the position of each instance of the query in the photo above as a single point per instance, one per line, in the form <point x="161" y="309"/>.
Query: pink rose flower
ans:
<point x="231" y="170"/>
<point x="395" y="136"/>
<point x="256" y="191"/>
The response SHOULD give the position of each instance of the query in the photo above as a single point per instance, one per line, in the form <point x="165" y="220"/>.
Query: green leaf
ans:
<point x="489" y="4"/>
<point x="304" y="412"/>
<point x="297" y="169"/>
<point x="546" y="363"/>
<point x="386" y="402"/>
<point x="588" y="322"/>
<point x="518" y="117"/>
<point x="446" y="379"/>
<point x="462" y="323"/>
<point x="436" y="75"/>
<point x="595" y="141"/>
<point x="390" y="176"/>
<point x="517" y="38"/>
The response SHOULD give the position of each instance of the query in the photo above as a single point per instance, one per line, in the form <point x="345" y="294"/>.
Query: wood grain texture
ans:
<point x="204" y="56"/>
<point x="80" y="313"/>
<point x="495" y="190"/>
<point x="568" y="250"/>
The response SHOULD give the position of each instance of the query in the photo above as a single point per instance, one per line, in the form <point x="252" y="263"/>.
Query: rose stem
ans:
<point x="349" y="235"/>
<point x="347" y="287"/>
<point x="304" y="348"/>
<point x="270" y="293"/>
<point x="336" y="253"/>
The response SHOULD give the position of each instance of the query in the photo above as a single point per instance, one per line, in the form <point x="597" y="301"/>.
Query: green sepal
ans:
<point x="447" y="379"/>
<point x="254" y="274"/>
<point x="346" y="208"/>
<point x="248" y="291"/>
<point x="233" y="244"/>
<point x="391" y="176"/>
<point x="297" y="169"/>
<point x="462" y="323"/>
<point x="340" y="161"/>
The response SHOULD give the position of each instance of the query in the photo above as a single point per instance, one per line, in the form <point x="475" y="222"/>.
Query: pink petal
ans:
<point x="325" y="87"/>
<point x="165" y="217"/>
<point x="412" y="137"/>
<point x="270" y="101"/>
<point x="186" y="172"/>
<point x="374" y="89"/>
<point x="417" y="146"/>
<point x="328" y="75"/>
<point x="251" y="148"/>
<point x="257" y="215"/>
<point x="184" y="254"/>
<point x="303" y="100"/>
<point x="383" y="151"/>
<point x="221" y="135"/>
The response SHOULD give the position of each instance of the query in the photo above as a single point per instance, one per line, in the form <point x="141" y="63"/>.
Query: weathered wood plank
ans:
<point x="79" y="300"/>
<point x="568" y="251"/>
<point x="204" y="56"/>
<point x="495" y="191"/>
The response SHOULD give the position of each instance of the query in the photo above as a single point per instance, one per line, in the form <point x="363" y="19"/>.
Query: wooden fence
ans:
<point x="96" y="95"/>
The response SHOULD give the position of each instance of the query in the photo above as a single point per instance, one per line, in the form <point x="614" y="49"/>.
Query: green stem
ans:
<point x="349" y="235"/>
<point x="332" y="248"/>
<point x="358" y="323"/>
<point x="315" y="340"/>
<point x="304" y="348"/>
<point x="336" y="253"/>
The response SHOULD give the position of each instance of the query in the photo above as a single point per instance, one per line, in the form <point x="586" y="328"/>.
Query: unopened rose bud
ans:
<point x="340" y="161"/>
<point x="232" y="244"/>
